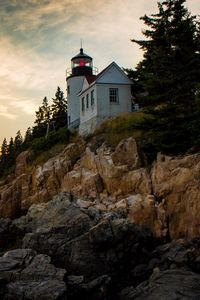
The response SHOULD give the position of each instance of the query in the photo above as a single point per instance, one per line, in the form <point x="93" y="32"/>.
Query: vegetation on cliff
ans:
<point x="50" y="130"/>
<point x="169" y="76"/>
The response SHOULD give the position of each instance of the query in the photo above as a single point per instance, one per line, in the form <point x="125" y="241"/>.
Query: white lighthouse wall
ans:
<point x="74" y="85"/>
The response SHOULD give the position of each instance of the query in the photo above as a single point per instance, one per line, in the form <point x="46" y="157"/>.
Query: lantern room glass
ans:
<point x="81" y="62"/>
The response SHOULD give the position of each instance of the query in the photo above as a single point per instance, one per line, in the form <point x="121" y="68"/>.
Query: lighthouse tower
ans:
<point x="81" y="68"/>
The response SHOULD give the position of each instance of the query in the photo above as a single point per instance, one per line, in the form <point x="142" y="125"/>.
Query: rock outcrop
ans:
<point x="170" y="284"/>
<point x="26" y="275"/>
<point x="165" y="197"/>
<point x="83" y="240"/>
<point x="87" y="246"/>
<point x="70" y="250"/>
<point x="176" y="182"/>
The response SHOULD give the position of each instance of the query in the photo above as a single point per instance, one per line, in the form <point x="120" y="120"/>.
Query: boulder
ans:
<point x="27" y="275"/>
<point x="176" y="181"/>
<point x="41" y="268"/>
<point x="4" y="231"/>
<point x="93" y="290"/>
<point x="10" y="199"/>
<point x="22" y="163"/>
<point x="83" y="240"/>
<point x="144" y="210"/>
<point x="34" y="290"/>
<point x="170" y="284"/>
<point x="126" y="153"/>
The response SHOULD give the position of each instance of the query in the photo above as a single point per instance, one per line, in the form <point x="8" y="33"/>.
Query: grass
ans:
<point x="44" y="148"/>
<point x="47" y="154"/>
<point x="120" y="127"/>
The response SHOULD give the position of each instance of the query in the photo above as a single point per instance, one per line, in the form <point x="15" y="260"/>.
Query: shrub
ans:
<point x="39" y="145"/>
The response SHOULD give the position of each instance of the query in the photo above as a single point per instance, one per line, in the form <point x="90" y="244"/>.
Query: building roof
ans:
<point x="97" y="79"/>
<point x="91" y="78"/>
<point x="81" y="55"/>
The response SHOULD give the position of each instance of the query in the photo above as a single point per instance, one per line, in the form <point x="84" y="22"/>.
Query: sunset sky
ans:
<point x="38" y="38"/>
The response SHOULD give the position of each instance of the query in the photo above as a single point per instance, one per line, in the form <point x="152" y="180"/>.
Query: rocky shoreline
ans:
<point x="98" y="224"/>
<point x="66" y="251"/>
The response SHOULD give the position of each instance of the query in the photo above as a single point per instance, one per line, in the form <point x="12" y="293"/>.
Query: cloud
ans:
<point x="27" y="106"/>
<point x="19" y="106"/>
<point x="4" y="113"/>
<point x="24" y="68"/>
<point x="39" y="37"/>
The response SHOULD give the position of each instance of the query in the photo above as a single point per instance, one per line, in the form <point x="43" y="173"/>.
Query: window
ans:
<point x="83" y="104"/>
<point x="114" y="95"/>
<point x="87" y="101"/>
<point x="92" y="98"/>
<point x="68" y="89"/>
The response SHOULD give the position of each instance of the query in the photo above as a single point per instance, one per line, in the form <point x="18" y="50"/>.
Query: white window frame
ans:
<point x="114" y="95"/>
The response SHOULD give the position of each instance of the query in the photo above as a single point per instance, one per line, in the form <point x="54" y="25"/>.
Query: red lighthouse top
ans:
<point x="82" y="64"/>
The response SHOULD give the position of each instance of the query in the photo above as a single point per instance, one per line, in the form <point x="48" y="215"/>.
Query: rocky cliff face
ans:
<point x="99" y="224"/>
<point x="67" y="251"/>
<point x="165" y="197"/>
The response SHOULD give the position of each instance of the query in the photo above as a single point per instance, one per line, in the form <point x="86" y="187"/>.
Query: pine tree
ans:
<point x="43" y="118"/>
<point x="18" y="142"/>
<point x="27" y="138"/>
<point x="170" y="73"/>
<point x="11" y="148"/>
<point x="43" y="114"/>
<point x="11" y="154"/>
<point x="46" y="111"/>
<point x="59" y="109"/>
<point x="4" y="150"/>
<point x="137" y="87"/>
<point x="3" y="157"/>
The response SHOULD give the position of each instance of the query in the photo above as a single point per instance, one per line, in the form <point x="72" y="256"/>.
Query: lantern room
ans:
<point x="82" y="64"/>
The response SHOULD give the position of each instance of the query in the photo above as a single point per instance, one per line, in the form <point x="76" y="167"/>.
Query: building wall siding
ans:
<point x="75" y="84"/>
<point x="91" y="111"/>
<point x="103" y="109"/>
<point x="107" y="109"/>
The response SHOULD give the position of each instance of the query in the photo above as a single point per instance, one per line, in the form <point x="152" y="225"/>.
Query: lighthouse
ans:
<point x="81" y="69"/>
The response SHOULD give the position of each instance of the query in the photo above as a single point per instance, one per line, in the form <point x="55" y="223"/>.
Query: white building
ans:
<point x="95" y="98"/>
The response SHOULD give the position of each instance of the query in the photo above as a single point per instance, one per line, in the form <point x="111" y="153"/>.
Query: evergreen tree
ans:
<point x="3" y="157"/>
<point x="46" y="111"/>
<point x="136" y="88"/>
<point x="11" y="154"/>
<point x="11" y="148"/>
<point x="39" y="116"/>
<point x="43" y="116"/>
<point x="170" y="73"/>
<point x="18" y="142"/>
<point x="28" y="135"/>
<point x="4" y="151"/>
<point x="27" y="138"/>
<point x="59" y="109"/>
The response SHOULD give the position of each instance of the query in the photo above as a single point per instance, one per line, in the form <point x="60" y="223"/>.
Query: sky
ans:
<point x="38" y="38"/>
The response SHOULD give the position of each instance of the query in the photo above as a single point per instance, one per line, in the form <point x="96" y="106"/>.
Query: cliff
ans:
<point x="96" y="223"/>
<point x="165" y="197"/>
